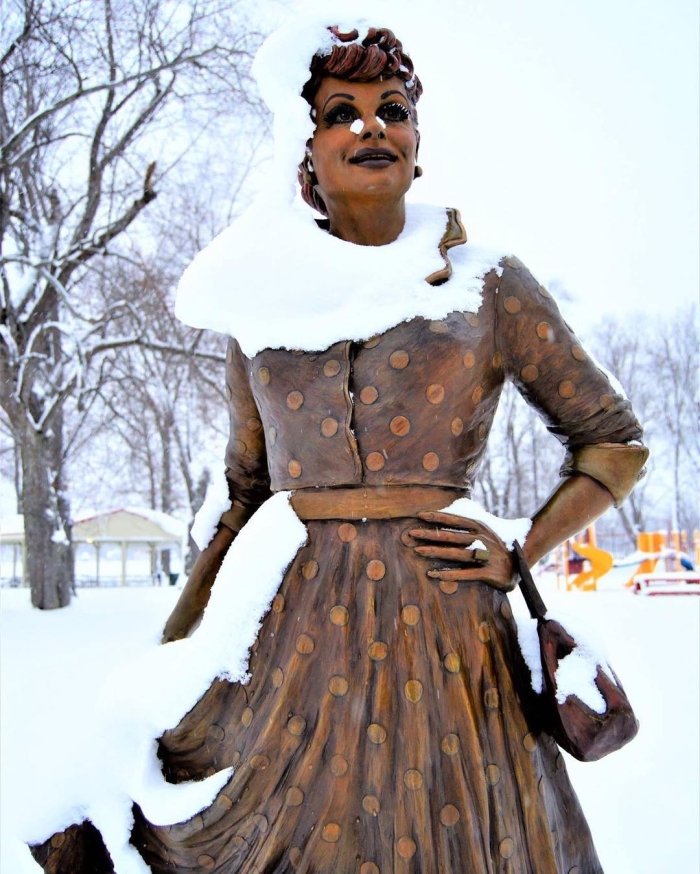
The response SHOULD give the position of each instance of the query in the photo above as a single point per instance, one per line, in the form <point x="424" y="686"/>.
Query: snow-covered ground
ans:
<point x="643" y="803"/>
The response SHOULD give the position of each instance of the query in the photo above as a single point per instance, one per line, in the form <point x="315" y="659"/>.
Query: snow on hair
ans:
<point x="379" y="55"/>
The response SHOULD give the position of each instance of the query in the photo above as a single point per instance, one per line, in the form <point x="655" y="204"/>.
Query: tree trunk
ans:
<point x="48" y="550"/>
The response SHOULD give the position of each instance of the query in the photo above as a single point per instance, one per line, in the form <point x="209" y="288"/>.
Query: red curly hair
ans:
<point x="380" y="55"/>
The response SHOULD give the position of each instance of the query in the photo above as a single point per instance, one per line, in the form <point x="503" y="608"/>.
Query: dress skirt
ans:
<point x="388" y="726"/>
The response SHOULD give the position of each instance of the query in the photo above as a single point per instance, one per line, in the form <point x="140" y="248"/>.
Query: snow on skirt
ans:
<point x="388" y="726"/>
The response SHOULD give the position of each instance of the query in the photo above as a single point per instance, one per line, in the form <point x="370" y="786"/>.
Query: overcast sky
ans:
<point x="568" y="133"/>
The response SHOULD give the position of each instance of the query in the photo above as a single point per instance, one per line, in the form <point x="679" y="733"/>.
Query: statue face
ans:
<point x="365" y="143"/>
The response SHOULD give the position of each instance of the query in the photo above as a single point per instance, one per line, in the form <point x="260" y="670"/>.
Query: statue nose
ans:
<point x="373" y="129"/>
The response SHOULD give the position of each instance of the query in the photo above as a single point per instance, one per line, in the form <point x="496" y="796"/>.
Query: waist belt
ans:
<point x="371" y="502"/>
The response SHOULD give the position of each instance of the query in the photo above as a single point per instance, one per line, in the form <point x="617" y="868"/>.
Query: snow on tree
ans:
<point x="92" y="92"/>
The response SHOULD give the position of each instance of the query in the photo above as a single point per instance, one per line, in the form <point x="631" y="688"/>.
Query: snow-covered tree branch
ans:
<point x="96" y="96"/>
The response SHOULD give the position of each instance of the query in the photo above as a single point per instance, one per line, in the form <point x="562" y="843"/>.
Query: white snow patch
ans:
<point x="150" y="693"/>
<point x="577" y="671"/>
<point x="330" y="289"/>
<point x="216" y="503"/>
<point x="509" y="530"/>
<point x="529" y="642"/>
<point x="281" y="68"/>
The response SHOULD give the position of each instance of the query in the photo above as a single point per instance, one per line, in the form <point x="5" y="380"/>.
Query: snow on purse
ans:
<point x="586" y="732"/>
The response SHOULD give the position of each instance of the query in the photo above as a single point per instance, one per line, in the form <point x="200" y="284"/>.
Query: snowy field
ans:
<point x="643" y="803"/>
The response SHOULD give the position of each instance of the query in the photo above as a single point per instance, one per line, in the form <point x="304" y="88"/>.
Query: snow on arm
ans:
<point x="216" y="503"/>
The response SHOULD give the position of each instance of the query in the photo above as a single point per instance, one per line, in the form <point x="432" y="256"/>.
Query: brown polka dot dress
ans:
<point x="388" y="725"/>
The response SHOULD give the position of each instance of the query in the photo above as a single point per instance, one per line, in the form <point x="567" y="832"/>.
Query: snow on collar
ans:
<point x="274" y="280"/>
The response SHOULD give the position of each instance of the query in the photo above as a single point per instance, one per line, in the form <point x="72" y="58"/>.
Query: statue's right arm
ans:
<point x="249" y="486"/>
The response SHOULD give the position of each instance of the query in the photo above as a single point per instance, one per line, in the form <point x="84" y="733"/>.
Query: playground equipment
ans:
<point x="667" y="569"/>
<point x="573" y="556"/>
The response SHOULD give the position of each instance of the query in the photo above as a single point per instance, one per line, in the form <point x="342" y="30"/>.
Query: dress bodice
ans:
<point x="415" y="404"/>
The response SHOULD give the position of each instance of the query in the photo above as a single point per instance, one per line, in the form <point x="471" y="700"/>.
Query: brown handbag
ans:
<point x="581" y="731"/>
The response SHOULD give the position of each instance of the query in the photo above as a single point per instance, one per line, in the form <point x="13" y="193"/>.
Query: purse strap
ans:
<point x="533" y="599"/>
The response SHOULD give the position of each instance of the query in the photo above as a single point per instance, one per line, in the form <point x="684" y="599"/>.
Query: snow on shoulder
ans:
<point x="274" y="280"/>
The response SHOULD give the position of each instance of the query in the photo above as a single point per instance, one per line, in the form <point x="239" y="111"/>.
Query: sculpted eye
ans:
<point x="340" y="114"/>
<point x="393" y="112"/>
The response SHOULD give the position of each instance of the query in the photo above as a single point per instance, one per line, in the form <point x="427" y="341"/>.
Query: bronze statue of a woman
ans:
<point x="388" y="723"/>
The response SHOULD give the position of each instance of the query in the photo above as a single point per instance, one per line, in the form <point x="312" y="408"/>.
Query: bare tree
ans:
<point x="91" y="92"/>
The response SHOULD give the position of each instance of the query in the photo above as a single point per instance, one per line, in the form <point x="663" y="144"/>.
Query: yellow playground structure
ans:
<point x="571" y="558"/>
<point x="664" y="563"/>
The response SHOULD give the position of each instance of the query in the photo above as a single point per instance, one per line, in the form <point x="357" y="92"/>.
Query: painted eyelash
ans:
<point x="405" y="114"/>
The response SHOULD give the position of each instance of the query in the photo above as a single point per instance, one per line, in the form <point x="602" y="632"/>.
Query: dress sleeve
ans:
<point x="246" y="457"/>
<point x="580" y="406"/>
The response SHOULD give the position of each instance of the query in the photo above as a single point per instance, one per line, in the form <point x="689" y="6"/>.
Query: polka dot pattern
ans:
<point x="410" y="614"/>
<point x="310" y="570"/>
<point x="331" y="832"/>
<point x="435" y="393"/>
<point x="493" y="775"/>
<point x="506" y="848"/>
<point x="399" y="359"/>
<point x="305" y="644"/>
<point x="512" y="305"/>
<point x="374" y="461"/>
<point x="376" y="569"/>
<point x="296" y="726"/>
<point x="449" y="815"/>
<point x="369" y="395"/>
<point x="339" y="615"/>
<point x="329" y="427"/>
<point x="491" y="698"/>
<point x="450" y="744"/>
<point x="339" y="766"/>
<point x="413" y="779"/>
<point x="400" y="426"/>
<point x="371" y="804"/>
<point x="377" y="651"/>
<point x="567" y="389"/>
<point x="294" y="797"/>
<point x="338" y="686"/>
<point x="347" y="532"/>
<point x="406" y="847"/>
<point x="430" y="461"/>
<point x="376" y="733"/>
<point x="413" y="691"/>
<point x="452" y="663"/>
<point x="295" y="400"/>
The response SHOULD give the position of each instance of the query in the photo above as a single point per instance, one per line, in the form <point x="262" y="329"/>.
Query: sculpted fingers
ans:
<point x="451" y="553"/>
<point x="442" y="535"/>
<point x="448" y="520"/>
